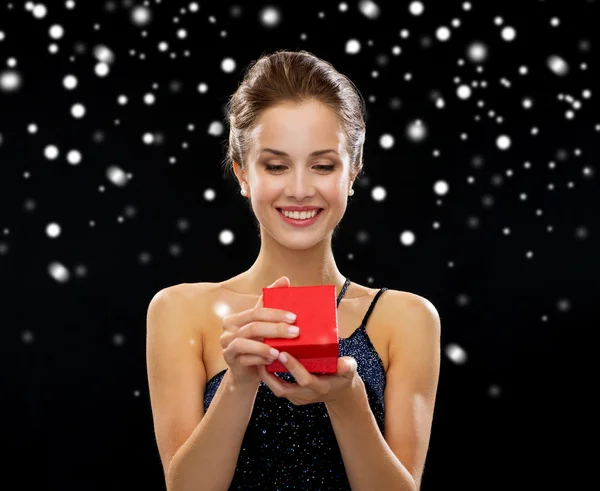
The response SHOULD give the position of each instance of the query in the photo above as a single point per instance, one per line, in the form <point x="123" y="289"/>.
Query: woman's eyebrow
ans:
<point x="284" y="154"/>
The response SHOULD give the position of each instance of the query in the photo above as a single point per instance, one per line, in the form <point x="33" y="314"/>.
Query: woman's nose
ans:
<point x="300" y="187"/>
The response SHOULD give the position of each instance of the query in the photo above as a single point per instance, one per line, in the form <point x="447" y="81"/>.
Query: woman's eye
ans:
<point x="325" y="167"/>
<point x="276" y="168"/>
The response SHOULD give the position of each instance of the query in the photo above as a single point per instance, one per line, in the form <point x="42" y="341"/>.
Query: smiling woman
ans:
<point x="282" y="170"/>
<point x="222" y="421"/>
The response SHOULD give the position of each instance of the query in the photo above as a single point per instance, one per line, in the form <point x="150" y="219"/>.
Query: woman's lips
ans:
<point x="300" y="223"/>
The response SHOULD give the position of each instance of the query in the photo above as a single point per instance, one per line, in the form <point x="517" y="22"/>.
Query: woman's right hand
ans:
<point x="244" y="333"/>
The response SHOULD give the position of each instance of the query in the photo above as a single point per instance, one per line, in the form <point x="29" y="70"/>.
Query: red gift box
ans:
<point x="315" y="307"/>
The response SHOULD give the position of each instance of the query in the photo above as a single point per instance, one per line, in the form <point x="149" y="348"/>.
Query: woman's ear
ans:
<point x="238" y="173"/>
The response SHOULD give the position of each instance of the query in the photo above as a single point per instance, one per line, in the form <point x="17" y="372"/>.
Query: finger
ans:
<point x="245" y="346"/>
<point x="261" y="330"/>
<point x="233" y="322"/>
<point x="280" y="282"/>
<point x="248" y="360"/>
<point x="346" y="367"/>
<point x="268" y="314"/>
<point x="303" y="377"/>
<point x="278" y="386"/>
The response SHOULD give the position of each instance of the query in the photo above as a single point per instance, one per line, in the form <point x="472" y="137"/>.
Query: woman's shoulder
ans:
<point x="398" y="302"/>
<point x="206" y="296"/>
<point x="389" y="296"/>
<point x="401" y="311"/>
<point x="190" y="298"/>
<point x="190" y="291"/>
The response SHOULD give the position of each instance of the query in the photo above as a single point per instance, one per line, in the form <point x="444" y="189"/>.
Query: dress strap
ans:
<point x="343" y="291"/>
<point x="373" y="302"/>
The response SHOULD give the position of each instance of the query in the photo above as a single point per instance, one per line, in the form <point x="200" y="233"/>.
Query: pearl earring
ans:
<point x="351" y="192"/>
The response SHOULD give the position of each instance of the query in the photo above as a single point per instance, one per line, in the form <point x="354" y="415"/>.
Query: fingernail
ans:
<point x="274" y="352"/>
<point x="293" y="329"/>
<point x="291" y="317"/>
<point x="283" y="358"/>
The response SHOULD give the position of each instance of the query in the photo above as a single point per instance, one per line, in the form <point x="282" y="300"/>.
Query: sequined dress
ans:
<point x="294" y="447"/>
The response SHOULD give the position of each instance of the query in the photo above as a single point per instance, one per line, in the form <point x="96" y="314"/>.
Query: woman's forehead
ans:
<point x="305" y="134"/>
<point x="309" y="116"/>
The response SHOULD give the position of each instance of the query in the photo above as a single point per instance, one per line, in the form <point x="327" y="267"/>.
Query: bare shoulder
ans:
<point x="403" y="311"/>
<point x="192" y="298"/>
<point x="192" y="292"/>
<point x="407" y="300"/>
<point x="188" y="307"/>
<point x="358" y="291"/>
<point x="176" y="373"/>
<point x="176" y="314"/>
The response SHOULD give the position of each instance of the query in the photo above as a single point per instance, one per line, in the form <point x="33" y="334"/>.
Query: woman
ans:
<point x="221" y="420"/>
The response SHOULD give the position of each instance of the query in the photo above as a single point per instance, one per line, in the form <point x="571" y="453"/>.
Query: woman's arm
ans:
<point x="397" y="459"/>
<point x="197" y="450"/>
<point x="368" y="459"/>
<point x="208" y="458"/>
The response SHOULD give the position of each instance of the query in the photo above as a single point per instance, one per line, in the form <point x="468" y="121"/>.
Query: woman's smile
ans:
<point x="299" y="222"/>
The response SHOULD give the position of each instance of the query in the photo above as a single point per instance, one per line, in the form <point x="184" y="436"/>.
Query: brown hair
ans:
<point x="296" y="76"/>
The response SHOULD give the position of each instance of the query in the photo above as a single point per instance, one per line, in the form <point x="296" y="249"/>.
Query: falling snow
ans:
<point x="481" y="132"/>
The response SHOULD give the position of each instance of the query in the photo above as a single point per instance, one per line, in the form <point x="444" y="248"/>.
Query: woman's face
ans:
<point x="278" y="181"/>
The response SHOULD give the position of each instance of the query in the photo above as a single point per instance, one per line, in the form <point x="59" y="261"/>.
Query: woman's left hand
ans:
<point x="311" y="388"/>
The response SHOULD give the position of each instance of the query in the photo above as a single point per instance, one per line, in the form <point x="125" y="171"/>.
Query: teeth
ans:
<point x="299" y="215"/>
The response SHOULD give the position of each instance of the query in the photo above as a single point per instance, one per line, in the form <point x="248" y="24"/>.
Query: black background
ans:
<point x="76" y="409"/>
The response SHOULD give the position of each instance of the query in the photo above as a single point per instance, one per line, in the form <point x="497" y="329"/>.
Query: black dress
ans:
<point x="294" y="447"/>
